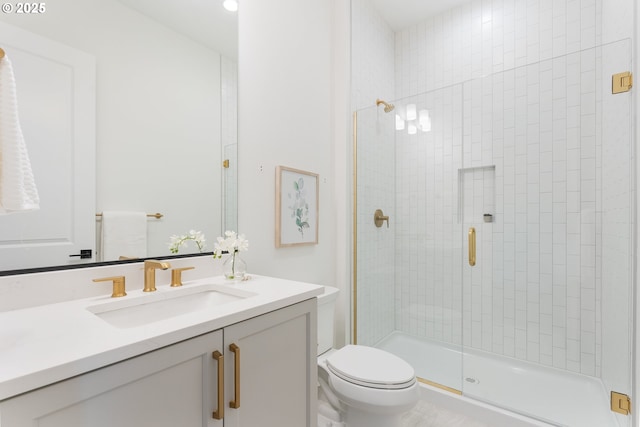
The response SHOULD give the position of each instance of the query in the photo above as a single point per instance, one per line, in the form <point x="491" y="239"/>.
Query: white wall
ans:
<point x="285" y="118"/>
<point x="149" y="126"/>
<point x="342" y="166"/>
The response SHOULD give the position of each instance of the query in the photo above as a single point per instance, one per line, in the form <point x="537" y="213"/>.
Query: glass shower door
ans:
<point x="547" y="186"/>
<point x="374" y="247"/>
<point x="408" y="273"/>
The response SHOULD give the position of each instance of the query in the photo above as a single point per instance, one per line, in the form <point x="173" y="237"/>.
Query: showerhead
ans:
<point x="387" y="107"/>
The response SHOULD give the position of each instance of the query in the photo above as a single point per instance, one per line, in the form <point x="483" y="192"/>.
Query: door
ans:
<point x="408" y="269"/>
<point x="547" y="313"/>
<point x="271" y="369"/>
<point x="56" y="105"/>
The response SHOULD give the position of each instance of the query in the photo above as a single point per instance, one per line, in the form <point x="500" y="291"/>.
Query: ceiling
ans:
<point x="204" y="21"/>
<point x="401" y="14"/>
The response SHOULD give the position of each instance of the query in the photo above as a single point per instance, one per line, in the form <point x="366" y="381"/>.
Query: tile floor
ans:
<point x="426" y="414"/>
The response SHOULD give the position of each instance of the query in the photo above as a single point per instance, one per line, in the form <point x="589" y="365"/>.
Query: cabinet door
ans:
<point x="173" y="386"/>
<point x="275" y="359"/>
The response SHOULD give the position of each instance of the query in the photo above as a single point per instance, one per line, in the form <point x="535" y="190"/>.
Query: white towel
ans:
<point x="124" y="234"/>
<point x="18" y="190"/>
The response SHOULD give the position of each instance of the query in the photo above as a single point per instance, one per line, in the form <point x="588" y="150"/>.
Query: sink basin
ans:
<point x="158" y="306"/>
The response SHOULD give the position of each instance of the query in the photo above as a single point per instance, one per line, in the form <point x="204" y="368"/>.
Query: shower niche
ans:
<point x="477" y="195"/>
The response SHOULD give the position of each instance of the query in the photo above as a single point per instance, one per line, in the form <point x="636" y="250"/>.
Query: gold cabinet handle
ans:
<point x="118" y="289"/>
<point x="235" y="403"/>
<point x="218" y="414"/>
<point x="472" y="246"/>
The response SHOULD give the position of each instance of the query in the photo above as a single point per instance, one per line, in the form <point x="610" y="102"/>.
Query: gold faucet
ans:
<point x="150" y="267"/>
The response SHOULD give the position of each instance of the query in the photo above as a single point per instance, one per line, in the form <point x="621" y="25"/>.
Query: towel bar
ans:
<point x="156" y="215"/>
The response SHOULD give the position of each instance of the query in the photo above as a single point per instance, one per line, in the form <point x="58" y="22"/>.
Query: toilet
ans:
<point x="359" y="386"/>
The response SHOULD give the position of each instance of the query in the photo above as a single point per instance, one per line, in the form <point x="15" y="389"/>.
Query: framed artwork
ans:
<point x="296" y="207"/>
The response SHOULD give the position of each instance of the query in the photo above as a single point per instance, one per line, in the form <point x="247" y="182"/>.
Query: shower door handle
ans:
<point x="472" y="246"/>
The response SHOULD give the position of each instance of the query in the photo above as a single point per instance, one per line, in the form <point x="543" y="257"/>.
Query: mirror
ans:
<point x="165" y="117"/>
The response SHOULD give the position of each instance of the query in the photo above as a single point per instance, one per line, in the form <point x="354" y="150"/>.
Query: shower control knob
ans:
<point x="379" y="217"/>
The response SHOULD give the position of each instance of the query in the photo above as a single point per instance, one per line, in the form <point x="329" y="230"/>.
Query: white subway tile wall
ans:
<point x="487" y="36"/>
<point x="375" y="180"/>
<point x="372" y="56"/>
<point x="376" y="245"/>
<point x="534" y="293"/>
<point x="428" y="241"/>
<point x="516" y="133"/>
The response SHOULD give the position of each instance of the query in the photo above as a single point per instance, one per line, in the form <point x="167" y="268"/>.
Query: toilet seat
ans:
<point x="371" y="367"/>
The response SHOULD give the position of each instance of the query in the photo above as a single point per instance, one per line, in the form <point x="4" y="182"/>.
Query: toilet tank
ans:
<point x="326" y="309"/>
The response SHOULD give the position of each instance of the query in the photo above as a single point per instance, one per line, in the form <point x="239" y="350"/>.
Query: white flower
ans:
<point x="231" y="243"/>
<point x="176" y="242"/>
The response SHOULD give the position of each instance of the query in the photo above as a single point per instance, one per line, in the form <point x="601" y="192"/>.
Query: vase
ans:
<point x="234" y="267"/>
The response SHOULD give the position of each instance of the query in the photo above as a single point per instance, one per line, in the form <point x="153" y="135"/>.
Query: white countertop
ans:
<point x="49" y="343"/>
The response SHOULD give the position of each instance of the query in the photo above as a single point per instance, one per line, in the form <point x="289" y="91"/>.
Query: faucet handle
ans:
<point x="176" y="276"/>
<point x="118" y="285"/>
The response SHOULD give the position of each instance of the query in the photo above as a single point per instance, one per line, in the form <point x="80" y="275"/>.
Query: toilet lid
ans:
<point x="371" y="367"/>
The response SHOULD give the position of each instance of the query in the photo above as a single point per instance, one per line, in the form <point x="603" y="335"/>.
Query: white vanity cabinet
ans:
<point x="277" y="369"/>
<point x="269" y="380"/>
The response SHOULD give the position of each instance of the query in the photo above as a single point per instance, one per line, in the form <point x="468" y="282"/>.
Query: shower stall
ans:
<point x="500" y="260"/>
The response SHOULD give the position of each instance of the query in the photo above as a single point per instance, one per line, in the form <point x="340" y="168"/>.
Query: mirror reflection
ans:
<point x="127" y="108"/>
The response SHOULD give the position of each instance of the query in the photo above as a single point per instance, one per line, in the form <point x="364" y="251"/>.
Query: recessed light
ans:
<point x="231" y="5"/>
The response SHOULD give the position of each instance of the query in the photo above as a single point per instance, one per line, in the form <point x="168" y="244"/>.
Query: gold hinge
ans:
<point x="620" y="403"/>
<point x="621" y="82"/>
<point x="225" y="163"/>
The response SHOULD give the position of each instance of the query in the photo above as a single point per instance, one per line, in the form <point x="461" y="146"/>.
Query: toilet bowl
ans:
<point x="365" y="386"/>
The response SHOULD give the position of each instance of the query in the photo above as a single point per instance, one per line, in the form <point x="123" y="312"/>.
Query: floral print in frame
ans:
<point x="296" y="207"/>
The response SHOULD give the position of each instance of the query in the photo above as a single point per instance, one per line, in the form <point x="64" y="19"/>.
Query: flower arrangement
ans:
<point x="232" y="243"/>
<point x="176" y="242"/>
